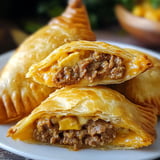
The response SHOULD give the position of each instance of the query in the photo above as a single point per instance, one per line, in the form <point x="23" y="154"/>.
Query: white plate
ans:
<point x="45" y="152"/>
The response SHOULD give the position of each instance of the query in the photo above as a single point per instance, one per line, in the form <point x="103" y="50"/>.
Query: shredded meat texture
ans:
<point x="93" y="134"/>
<point x="96" y="66"/>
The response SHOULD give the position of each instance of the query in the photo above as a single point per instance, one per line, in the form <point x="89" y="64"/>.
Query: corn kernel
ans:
<point x="138" y="11"/>
<point x="151" y="16"/>
<point x="69" y="123"/>
<point x="145" y="10"/>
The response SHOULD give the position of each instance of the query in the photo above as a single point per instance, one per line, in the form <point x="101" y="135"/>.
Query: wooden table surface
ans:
<point x="112" y="34"/>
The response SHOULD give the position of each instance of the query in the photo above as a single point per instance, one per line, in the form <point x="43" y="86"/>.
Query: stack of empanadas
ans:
<point x="83" y="114"/>
<point x="63" y="60"/>
<point x="20" y="95"/>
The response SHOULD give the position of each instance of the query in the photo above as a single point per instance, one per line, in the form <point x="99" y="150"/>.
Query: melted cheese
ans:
<point x="69" y="123"/>
<point x="70" y="61"/>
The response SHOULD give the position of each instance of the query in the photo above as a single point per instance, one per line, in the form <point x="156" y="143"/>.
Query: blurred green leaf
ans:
<point x="155" y="3"/>
<point x="56" y="11"/>
<point x="50" y="8"/>
<point x="94" y="20"/>
<point x="31" y="26"/>
<point x="101" y="12"/>
<point x="129" y="4"/>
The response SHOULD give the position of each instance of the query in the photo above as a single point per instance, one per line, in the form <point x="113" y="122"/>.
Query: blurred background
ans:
<point x="18" y="18"/>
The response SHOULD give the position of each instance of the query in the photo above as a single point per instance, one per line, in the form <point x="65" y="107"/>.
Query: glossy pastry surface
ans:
<point x="145" y="88"/>
<point x="88" y="117"/>
<point x="86" y="63"/>
<point x="18" y="94"/>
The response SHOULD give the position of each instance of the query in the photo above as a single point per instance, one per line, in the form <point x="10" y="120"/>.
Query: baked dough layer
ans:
<point x="72" y="108"/>
<point x="20" y="95"/>
<point x="85" y="63"/>
<point x="145" y="88"/>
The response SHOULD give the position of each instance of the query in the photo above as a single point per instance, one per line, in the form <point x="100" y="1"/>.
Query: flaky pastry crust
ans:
<point x="18" y="94"/>
<point x="85" y="63"/>
<point x="136" y="123"/>
<point x="145" y="88"/>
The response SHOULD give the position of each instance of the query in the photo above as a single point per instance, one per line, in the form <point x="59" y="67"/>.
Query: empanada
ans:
<point x="86" y="117"/>
<point x="84" y="63"/>
<point x="145" y="88"/>
<point x="18" y="95"/>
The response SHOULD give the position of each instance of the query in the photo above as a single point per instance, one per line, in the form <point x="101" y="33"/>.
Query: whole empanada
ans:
<point x="145" y="88"/>
<point x="89" y="117"/>
<point x="19" y="95"/>
<point x="84" y="63"/>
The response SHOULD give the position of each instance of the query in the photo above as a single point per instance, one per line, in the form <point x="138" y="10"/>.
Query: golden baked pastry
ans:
<point x="18" y="95"/>
<point x="145" y="88"/>
<point x="88" y="117"/>
<point x="84" y="63"/>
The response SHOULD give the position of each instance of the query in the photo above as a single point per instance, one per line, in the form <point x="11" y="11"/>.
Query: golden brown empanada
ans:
<point x="84" y="63"/>
<point x="18" y="95"/>
<point x="88" y="117"/>
<point x="145" y="88"/>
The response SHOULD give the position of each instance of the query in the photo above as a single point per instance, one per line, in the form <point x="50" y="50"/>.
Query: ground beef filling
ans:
<point x="96" y="66"/>
<point x="93" y="134"/>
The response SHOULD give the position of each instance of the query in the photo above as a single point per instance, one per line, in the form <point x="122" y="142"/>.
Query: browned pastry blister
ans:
<point x="145" y="88"/>
<point x="18" y="94"/>
<point x="88" y="117"/>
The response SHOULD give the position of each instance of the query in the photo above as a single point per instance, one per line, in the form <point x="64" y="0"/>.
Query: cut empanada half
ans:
<point x="89" y="117"/>
<point x="84" y="63"/>
<point x="145" y="88"/>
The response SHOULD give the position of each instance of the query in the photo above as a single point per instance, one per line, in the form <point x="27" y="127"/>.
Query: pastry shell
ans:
<point x="145" y="88"/>
<point x="76" y="53"/>
<point x="90" y="103"/>
<point x="20" y="95"/>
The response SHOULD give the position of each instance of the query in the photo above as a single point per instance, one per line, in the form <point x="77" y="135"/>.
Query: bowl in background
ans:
<point x="143" y="29"/>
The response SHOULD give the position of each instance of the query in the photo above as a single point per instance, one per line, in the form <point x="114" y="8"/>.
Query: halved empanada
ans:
<point x="84" y="63"/>
<point x="88" y="117"/>
<point x="145" y="88"/>
<point x="19" y="95"/>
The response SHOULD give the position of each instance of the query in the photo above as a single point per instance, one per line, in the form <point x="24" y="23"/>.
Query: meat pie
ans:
<point x="88" y="117"/>
<point x="84" y="63"/>
<point x="20" y="95"/>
